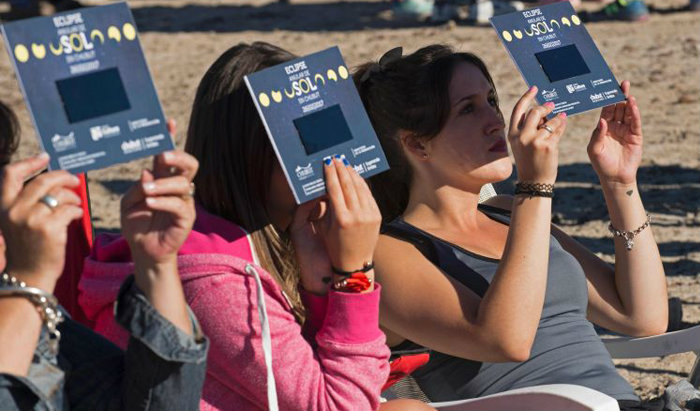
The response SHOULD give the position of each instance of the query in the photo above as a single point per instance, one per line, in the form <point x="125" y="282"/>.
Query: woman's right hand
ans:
<point x="536" y="149"/>
<point x="157" y="214"/>
<point x="348" y="229"/>
<point x="351" y="226"/>
<point x="36" y="233"/>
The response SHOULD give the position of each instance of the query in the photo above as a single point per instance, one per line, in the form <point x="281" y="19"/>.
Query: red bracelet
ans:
<point x="356" y="282"/>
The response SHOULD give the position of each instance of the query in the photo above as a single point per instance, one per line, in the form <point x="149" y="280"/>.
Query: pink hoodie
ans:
<point x="337" y="362"/>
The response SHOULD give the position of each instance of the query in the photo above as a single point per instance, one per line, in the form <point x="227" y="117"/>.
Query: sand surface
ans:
<point x="660" y="56"/>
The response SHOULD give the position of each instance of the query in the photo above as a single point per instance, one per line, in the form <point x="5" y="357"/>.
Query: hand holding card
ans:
<point x="87" y="87"/>
<point x="615" y="148"/>
<point x="553" y="51"/>
<point x="312" y="112"/>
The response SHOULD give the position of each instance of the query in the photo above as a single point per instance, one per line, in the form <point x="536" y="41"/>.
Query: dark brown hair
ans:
<point x="9" y="134"/>
<point x="236" y="158"/>
<point x="410" y="93"/>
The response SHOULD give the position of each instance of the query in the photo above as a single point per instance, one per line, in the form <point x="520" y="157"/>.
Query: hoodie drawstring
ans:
<point x="266" y="340"/>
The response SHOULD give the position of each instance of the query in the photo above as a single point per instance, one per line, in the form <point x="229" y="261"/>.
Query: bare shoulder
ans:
<point x="396" y="256"/>
<point x="388" y="243"/>
<point x="388" y="247"/>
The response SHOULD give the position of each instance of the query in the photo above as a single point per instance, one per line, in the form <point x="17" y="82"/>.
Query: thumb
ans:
<point x="319" y="211"/>
<point x="172" y="127"/>
<point x="14" y="175"/>
<point x="304" y="213"/>
<point x="146" y="176"/>
<point x="597" y="143"/>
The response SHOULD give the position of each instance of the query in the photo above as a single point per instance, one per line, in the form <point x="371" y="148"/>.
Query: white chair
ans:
<point x="674" y="342"/>
<point x="555" y="397"/>
<point x="565" y="397"/>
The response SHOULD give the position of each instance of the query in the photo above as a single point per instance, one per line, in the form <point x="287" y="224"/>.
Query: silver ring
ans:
<point x="192" y="189"/>
<point x="548" y="128"/>
<point x="50" y="201"/>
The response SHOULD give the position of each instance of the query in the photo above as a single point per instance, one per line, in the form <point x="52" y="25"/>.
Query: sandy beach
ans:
<point x="660" y="57"/>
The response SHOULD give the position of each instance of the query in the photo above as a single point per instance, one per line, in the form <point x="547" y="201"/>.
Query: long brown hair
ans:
<point x="236" y="159"/>
<point x="410" y="93"/>
<point x="9" y="134"/>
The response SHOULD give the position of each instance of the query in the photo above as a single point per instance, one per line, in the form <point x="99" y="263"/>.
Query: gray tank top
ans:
<point x="566" y="349"/>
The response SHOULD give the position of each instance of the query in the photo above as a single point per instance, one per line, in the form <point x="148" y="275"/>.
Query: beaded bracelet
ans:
<point x="46" y="304"/>
<point x="353" y="281"/>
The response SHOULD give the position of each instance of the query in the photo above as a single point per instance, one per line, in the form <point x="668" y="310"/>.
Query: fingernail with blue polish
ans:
<point x="345" y="161"/>
<point x="327" y="161"/>
<point x="337" y="156"/>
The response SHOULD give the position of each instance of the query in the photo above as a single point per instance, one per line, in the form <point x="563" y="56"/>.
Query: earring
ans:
<point x="425" y="156"/>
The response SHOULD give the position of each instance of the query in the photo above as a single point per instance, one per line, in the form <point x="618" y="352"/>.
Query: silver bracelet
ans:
<point x="45" y="303"/>
<point x="629" y="235"/>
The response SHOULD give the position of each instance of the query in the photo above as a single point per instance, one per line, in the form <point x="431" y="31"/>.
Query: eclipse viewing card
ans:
<point x="553" y="51"/>
<point x="312" y="111"/>
<point x="87" y="87"/>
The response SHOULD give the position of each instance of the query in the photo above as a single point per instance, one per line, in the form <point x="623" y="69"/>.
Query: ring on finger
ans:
<point x="49" y="201"/>
<point x="546" y="127"/>
<point x="192" y="190"/>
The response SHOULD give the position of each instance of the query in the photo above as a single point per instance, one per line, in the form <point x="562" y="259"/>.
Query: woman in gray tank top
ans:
<point x="501" y="298"/>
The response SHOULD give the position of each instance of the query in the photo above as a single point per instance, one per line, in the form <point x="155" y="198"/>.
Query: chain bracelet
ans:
<point x="46" y="304"/>
<point x="628" y="236"/>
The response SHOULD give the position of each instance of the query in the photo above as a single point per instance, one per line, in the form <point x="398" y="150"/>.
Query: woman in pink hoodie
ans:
<point x="256" y="267"/>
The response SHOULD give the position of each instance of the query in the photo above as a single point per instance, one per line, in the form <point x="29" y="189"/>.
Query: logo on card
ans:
<point x="550" y="94"/>
<point x="304" y="172"/>
<point x="574" y="87"/>
<point x="303" y="85"/>
<point x="606" y="95"/>
<point x="132" y="146"/>
<point x="597" y="97"/>
<point x="74" y="42"/>
<point x="105" y="131"/>
<point x="63" y="143"/>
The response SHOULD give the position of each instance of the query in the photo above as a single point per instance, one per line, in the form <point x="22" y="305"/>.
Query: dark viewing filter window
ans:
<point x="323" y="129"/>
<point x="562" y="63"/>
<point x="93" y="95"/>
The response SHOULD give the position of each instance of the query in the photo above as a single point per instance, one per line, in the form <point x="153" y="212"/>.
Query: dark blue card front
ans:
<point x="88" y="88"/>
<point x="311" y="111"/>
<point x="553" y="51"/>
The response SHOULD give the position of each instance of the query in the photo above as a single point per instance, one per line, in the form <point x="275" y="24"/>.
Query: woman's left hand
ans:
<point x="615" y="148"/>
<point x="158" y="212"/>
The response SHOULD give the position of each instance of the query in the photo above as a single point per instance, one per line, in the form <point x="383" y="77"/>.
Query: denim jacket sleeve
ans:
<point x="162" y="368"/>
<point x="19" y="393"/>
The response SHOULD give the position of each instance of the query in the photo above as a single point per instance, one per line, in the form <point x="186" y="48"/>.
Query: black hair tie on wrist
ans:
<point x="365" y="268"/>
